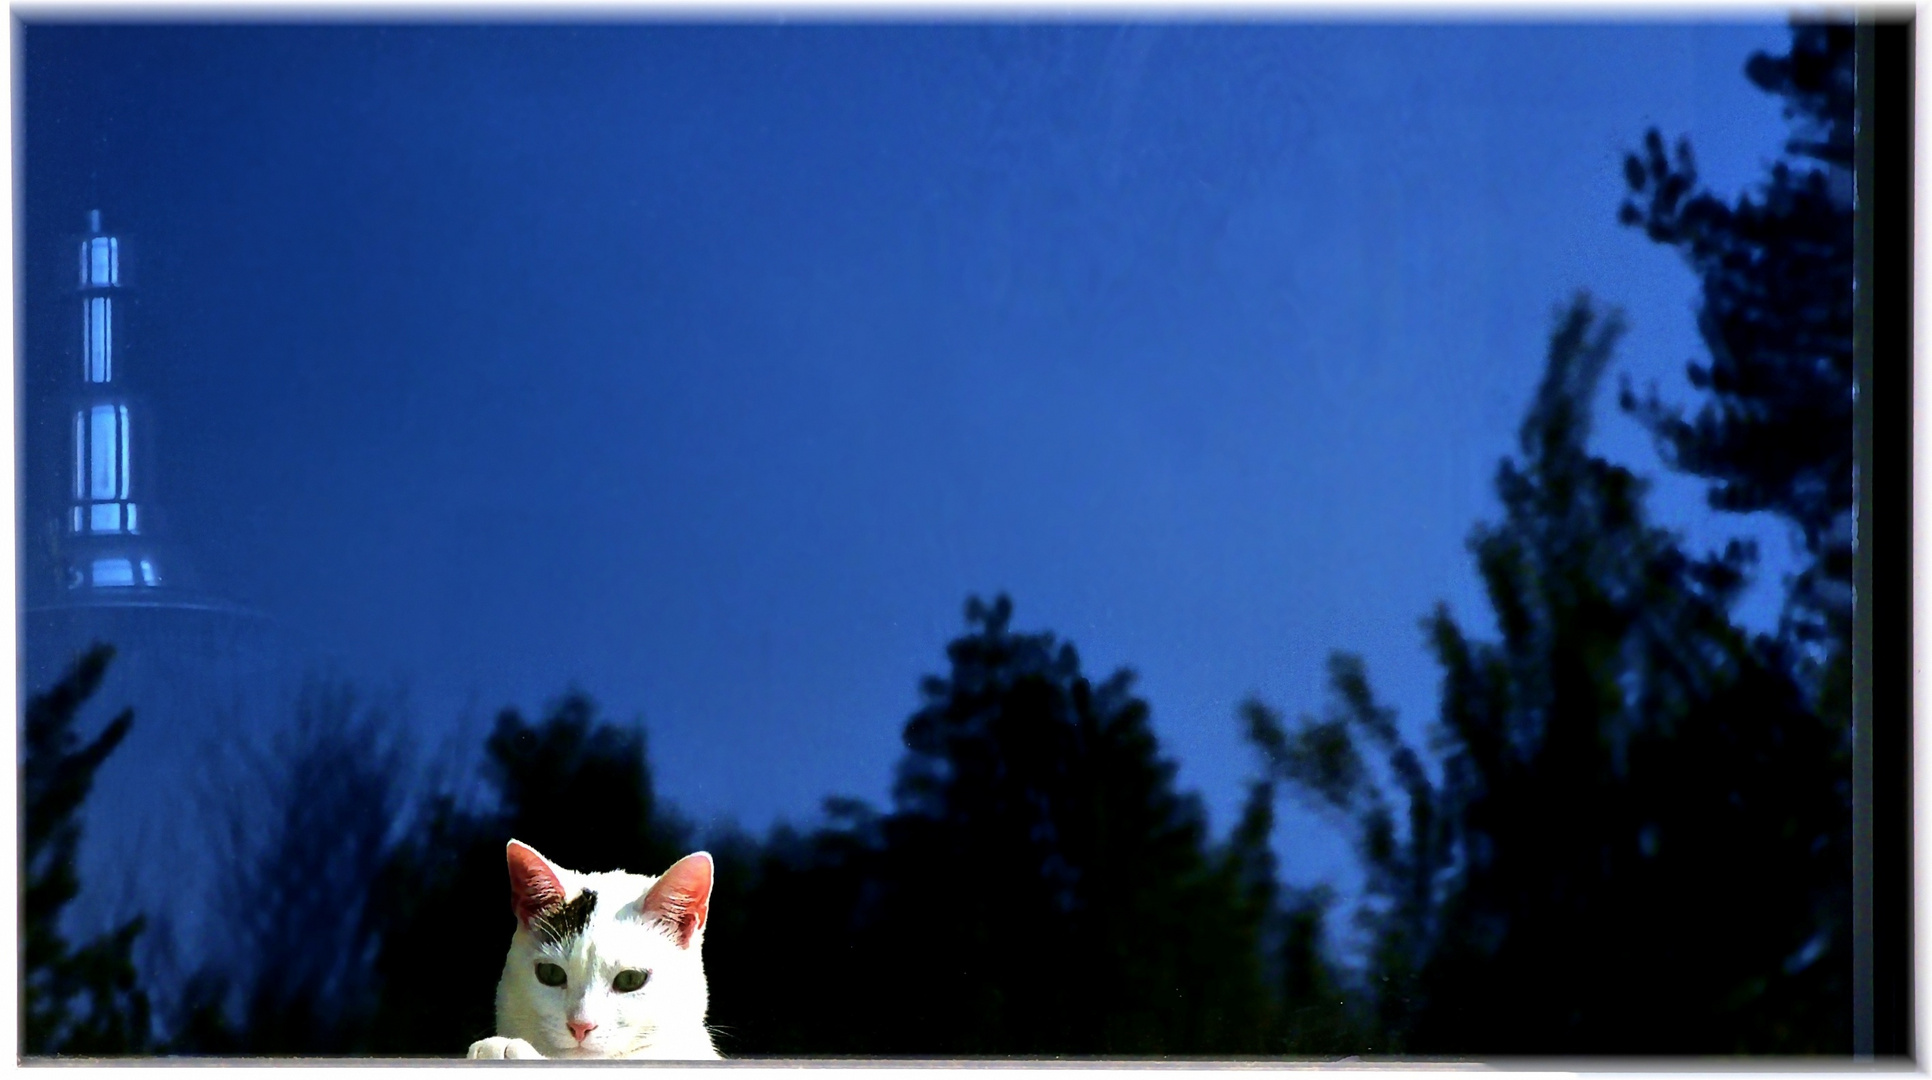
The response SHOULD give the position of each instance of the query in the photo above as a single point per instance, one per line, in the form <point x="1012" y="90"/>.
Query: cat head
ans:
<point x="604" y="965"/>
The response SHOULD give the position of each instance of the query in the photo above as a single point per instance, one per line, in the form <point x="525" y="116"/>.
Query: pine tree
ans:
<point x="1328" y="761"/>
<point x="85" y="999"/>
<point x="1640" y="785"/>
<point x="1639" y="841"/>
<point x="1773" y="429"/>
<point x="1039" y="887"/>
<point x="1036" y="822"/>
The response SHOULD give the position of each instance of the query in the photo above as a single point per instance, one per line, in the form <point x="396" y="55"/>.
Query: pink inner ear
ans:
<point x="682" y="897"/>
<point x="534" y="888"/>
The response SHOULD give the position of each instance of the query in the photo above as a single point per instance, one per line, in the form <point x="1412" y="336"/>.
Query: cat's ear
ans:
<point x="535" y="885"/>
<point x="682" y="897"/>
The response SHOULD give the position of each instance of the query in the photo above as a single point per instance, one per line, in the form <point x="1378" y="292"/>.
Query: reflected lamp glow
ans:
<point x="97" y="339"/>
<point x="113" y="573"/>
<point x="102" y="471"/>
<point x="102" y="491"/>
<point x="100" y="258"/>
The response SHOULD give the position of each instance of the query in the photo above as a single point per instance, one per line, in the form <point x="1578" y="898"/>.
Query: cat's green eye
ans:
<point x="627" y="981"/>
<point x="551" y="975"/>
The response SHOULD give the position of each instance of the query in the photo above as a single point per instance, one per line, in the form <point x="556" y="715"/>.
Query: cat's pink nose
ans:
<point x="580" y="1028"/>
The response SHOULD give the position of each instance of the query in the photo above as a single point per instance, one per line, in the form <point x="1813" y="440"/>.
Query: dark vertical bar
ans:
<point x="1882" y="621"/>
<point x="1864" y="985"/>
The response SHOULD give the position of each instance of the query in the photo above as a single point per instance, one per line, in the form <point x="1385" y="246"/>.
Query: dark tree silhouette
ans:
<point x="1639" y="842"/>
<point x="1773" y="428"/>
<point x="578" y="789"/>
<point x="1310" y="1010"/>
<point x="85" y="999"/>
<point x="1323" y="760"/>
<point x="792" y="959"/>
<point x="1039" y="888"/>
<point x="1038" y="824"/>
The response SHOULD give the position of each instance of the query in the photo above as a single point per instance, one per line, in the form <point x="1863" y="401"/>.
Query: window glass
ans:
<point x="121" y="443"/>
<point x="97" y="339"/>
<point x="113" y="572"/>
<point x="80" y="456"/>
<point x="104" y="262"/>
<point x="103" y="454"/>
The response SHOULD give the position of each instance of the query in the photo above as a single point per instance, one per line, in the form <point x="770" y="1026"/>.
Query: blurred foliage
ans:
<point x="74" y="999"/>
<point x="1630" y="786"/>
<point x="1772" y="431"/>
<point x="320" y="805"/>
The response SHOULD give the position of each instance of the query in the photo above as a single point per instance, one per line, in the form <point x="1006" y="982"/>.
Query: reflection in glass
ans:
<point x="100" y="261"/>
<point x="113" y="572"/>
<point x="97" y="339"/>
<point x="107" y="452"/>
<point x="100" y="453"/>
<point x="121" y="444"/>
<point x="103" y="447"/>
<point x="80" y="460"/>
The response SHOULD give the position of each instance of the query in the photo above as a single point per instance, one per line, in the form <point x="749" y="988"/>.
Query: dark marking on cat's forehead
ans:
<point x="566" y="921"/>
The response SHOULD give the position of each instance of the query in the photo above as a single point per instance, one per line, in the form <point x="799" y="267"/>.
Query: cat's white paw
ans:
<point x="496" y="1046"/>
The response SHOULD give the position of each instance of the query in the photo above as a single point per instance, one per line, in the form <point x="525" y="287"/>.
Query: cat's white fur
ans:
<point x="630" y="927"/>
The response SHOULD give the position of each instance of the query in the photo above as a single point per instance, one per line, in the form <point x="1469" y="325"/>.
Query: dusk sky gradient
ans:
<point x="711" y="368"/>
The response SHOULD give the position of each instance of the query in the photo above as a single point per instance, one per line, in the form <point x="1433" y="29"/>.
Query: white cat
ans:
<point x="603" y="965"/>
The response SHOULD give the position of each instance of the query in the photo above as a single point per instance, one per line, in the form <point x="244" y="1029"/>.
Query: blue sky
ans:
<point x="711" y="368"/>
